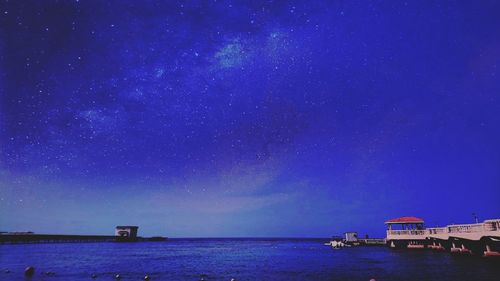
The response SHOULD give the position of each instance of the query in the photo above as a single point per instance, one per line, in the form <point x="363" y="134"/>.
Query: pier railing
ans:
<point x="372" y="241"/>
<point x="415" y="234"/>
<point x="473" y="231"/>
<point x="466" y="228"/>
<point x="406" y="232"/>
<point x="437" y="230"/>
<point x="492" y="225"/>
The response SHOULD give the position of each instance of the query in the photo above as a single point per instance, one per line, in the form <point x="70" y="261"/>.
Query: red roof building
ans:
<point x="405" y="220"/>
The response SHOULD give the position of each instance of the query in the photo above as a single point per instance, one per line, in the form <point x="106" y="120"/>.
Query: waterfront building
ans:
<point x="406" y="232"/>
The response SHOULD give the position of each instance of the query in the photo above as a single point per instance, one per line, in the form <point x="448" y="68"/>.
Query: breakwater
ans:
<point x="61" y="238"/>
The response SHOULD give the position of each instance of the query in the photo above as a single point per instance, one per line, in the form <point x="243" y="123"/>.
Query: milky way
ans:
<point x="217" y="118"/>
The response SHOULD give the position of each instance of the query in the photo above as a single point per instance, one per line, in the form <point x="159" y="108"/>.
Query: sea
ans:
<point x="241" y="259"/>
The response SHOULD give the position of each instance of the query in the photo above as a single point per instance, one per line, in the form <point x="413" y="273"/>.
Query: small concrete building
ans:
<point x="351" y="237"/>
<point x="126" y="231"/>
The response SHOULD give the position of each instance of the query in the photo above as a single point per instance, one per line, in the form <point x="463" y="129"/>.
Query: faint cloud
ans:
<point x="212" y="202"/>
<point x="101" y="120"/>
<point x="231" y="55"/>
<point x="243" y="187"/>
<point x="270" y="46"/>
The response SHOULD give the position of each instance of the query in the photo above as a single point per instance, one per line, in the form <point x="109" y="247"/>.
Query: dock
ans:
<point x="372" y="242"/>
<point x="351" y="239"/>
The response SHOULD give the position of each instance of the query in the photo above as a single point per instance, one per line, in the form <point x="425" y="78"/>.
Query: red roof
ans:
<point x="406" y="220"/>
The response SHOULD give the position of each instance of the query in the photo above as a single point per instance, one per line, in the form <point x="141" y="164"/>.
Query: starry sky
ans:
<point x="253" y="118"/>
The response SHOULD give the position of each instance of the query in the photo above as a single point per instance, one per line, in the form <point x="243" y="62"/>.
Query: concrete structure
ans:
<point x="478" y="238"/>
<point x="129" y="231"/>
<point x="351" y="237"/>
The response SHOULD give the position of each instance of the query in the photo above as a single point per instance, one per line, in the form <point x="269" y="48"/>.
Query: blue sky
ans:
<point x="259" y="118"/>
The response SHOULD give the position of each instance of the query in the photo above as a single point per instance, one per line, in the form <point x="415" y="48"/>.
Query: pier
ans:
<point x="61" y="238"/>
<point x="122" y="234"/>
<point x="478" y="238"/>
<point x="371" y="241"/>
<point x="351" y="239"/>
<point x="53" y="238"/>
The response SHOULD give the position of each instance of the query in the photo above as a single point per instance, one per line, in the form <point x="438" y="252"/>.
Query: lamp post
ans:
<point x="475" y="217"/>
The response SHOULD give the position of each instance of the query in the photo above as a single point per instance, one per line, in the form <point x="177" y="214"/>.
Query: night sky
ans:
<point x="214" y="118"/>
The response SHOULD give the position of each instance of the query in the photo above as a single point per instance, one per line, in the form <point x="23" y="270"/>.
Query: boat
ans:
<point x="336" y="242"/>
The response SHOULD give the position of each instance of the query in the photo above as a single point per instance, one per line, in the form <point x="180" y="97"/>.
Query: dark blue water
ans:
<point x="243" y="259"/>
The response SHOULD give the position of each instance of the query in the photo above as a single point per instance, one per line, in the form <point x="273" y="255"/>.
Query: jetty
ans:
<point x="351" y="239"/>
<point x="122" y="234"/>
<point x="478" y="238"/>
